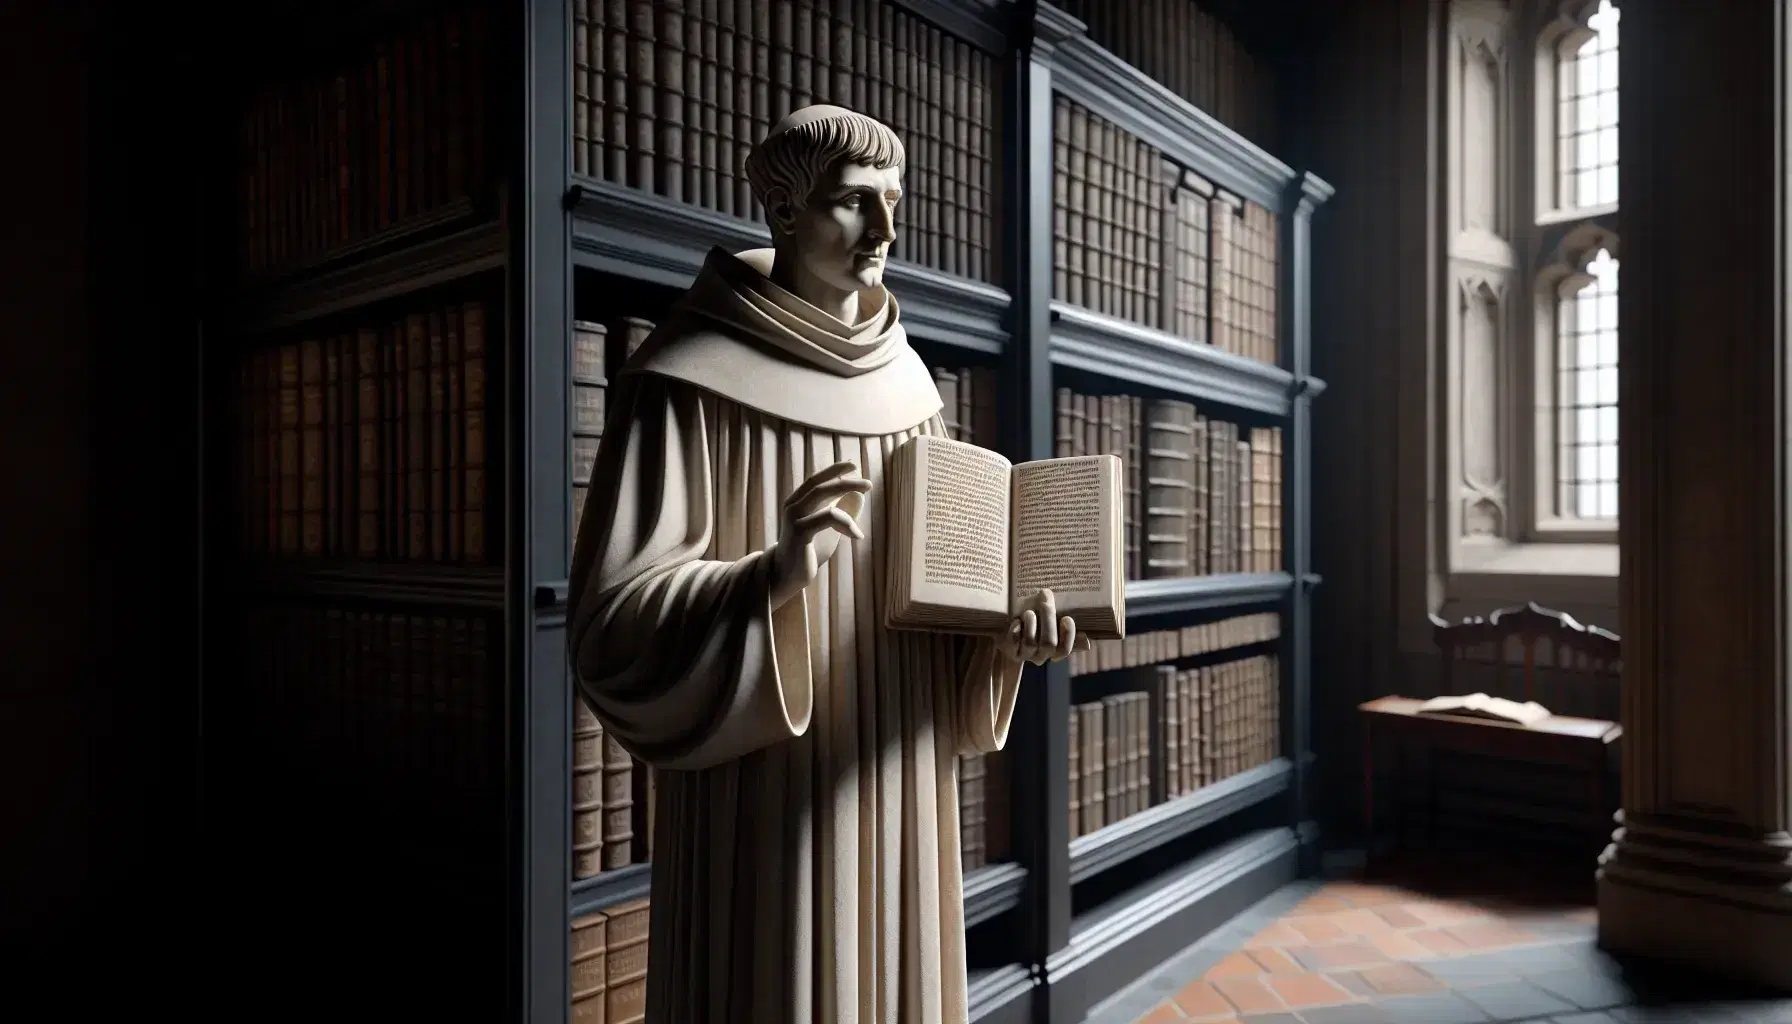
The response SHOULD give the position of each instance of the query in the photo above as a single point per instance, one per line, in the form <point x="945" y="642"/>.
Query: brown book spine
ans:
<point x="958" y="107"/>
<point x="473" y="380"/>
<point x="983" y="148"/>
<point x="438" y="436"/>
<point x="802" y="54"/>
<point x="291" y="460"/>
<point x="1168" y="450"/>
<point x="728" y="77"/>
<point x="889" y="57"/>
<point x="697" y="172"/>
<point x="626" y="969"/>
<point x="642" y="70"/>
<point x="331" y="456"/>
<point x="588" y="973"/>
<point x="369" y="466"/>
<point x="597" y="84"/>
<point x="619" y="95"/>
<point x="1135" y="490"/>
<point x="769" y="82"/>
<point x="1200" y="504"/>
<point x="587" y="791"/>
<point x="708" y="88"/>
<point x="619" y="801"/>
<point x="416" y="467"/>
<point x="455" y="420"/>
<point x="669" y="77"/>
<point x="581" y="86"/>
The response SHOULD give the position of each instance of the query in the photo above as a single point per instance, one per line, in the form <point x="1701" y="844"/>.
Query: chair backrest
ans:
<point x="1575" y="649"/>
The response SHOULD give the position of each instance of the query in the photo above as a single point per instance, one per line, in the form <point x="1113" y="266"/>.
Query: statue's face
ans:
<point x="845" y="229"/>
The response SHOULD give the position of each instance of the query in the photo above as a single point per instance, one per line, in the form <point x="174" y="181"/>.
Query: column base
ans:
<point x="1720" y="904"/>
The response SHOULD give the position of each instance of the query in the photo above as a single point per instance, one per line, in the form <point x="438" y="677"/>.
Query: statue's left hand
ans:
<point x="1039" y="634"/>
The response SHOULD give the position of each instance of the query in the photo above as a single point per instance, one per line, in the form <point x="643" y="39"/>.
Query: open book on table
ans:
<point x="974" y="537"/>
<point x="1480" y="705"/>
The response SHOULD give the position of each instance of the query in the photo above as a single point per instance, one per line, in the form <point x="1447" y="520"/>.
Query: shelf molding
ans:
<point x="1202" y="593"/>
<point x="378" y="581"/>
<point x="646" y="237"/>
<point x="1121" y="350"/>
<point x="1001" y="996"/>
<point x="992" y="890"/>
<point x="1151" y="828"/>
<point x="1118" y="92"/>
<point x="978" y="22"/>
<point x="608" y="889"/>
<point x="1116" y="943"/>
<point x="426" y="263"/>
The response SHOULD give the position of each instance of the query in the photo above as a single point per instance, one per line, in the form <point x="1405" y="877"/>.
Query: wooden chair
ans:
<point x="1576" y="653"/>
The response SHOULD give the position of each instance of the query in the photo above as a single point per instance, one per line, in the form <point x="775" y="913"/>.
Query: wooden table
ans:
<point x="1578" y="743"/>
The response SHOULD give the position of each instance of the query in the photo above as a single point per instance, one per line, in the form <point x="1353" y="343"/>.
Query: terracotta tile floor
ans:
<point x="1420" y="950"/>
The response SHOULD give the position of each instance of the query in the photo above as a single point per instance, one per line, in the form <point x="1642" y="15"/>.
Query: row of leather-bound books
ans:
<point x="1203" y="495"/>
<point x="1183" y="47"/>
<point x="669" y="96"/>
<point x="369" y="441"/>
<point x="387" y="135"/>
<point x="608" y="969"/>
<point x="1139" y="237"/>
<point x="1182" y="729"/>
<point x="377" y="711"/>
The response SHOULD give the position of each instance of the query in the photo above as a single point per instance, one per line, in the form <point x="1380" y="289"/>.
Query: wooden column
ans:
<point x="1700" y="870"/>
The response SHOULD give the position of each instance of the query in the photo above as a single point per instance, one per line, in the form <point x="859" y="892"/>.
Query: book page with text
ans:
<point x="1066" y="535"/>
<point x="959" y="548"/>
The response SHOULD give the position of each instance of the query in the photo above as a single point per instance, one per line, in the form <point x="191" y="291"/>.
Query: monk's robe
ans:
<point x="806" y="843"/>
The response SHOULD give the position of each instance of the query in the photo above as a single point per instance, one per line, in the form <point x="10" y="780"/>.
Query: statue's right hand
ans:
<point x="822" y="505"/>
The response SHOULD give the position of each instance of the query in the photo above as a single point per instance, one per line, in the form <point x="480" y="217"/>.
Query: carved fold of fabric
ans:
<point x="682" y="657"/>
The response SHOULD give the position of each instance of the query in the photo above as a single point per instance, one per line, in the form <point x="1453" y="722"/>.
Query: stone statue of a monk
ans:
<point x="728" y="620"/>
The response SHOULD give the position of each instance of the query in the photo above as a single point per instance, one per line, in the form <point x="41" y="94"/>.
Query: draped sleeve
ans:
<point x="986" y="699"/>
<point x="681" y="655"/>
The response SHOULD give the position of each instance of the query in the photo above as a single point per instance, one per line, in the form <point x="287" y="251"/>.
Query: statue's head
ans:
<point x="829" y="180"/>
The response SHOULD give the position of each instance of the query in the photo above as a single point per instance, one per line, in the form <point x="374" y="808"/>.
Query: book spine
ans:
<point x="619" y="95"/>
<point x="643" y="58"/>
<point x="454" y="420"/>
<point x="473" y="378"/>
<point x="728" y="90"/>
<point x="1060" y="198"/>
<point x="670" y="172"/>
<point x="587" y="972"/>
<point x="584" y="108"/>
<point x="438" y="436"/>
<point x="699" y="106"/>
<point x="416" y="483"/>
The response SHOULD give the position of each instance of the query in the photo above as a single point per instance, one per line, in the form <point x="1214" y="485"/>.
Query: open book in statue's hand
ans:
<point x="975" y="539"/>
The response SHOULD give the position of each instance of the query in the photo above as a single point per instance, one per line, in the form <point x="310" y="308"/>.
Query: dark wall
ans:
<point x="1355" y="110"/>
<point x="97" y="410"/>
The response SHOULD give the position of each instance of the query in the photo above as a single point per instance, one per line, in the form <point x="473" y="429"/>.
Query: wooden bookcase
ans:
<point x="1056" y="924"/>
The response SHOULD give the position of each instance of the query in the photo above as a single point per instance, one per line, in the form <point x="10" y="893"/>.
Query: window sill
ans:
<point x="1557" y="574"/>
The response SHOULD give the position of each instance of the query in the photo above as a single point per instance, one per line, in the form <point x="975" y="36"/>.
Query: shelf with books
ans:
<point x="670" y="98"/>
<point x="1119" y="350"/>
<point x="396" y="582"/>
<point x="641" y="236"/>
<point x="422" y="262"/>
<point x="1149" y="829"/>
<point x="1115" y="90"/>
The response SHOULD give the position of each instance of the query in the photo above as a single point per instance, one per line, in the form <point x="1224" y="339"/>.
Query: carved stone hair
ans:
<point x="811" y="141"/>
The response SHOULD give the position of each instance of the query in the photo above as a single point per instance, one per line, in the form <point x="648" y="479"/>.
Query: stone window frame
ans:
<point x="1506" y="251"/>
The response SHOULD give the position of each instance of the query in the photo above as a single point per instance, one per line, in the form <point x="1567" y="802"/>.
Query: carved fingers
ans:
<point x="1039" y="634"/>
<point x="821" y="509"/>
